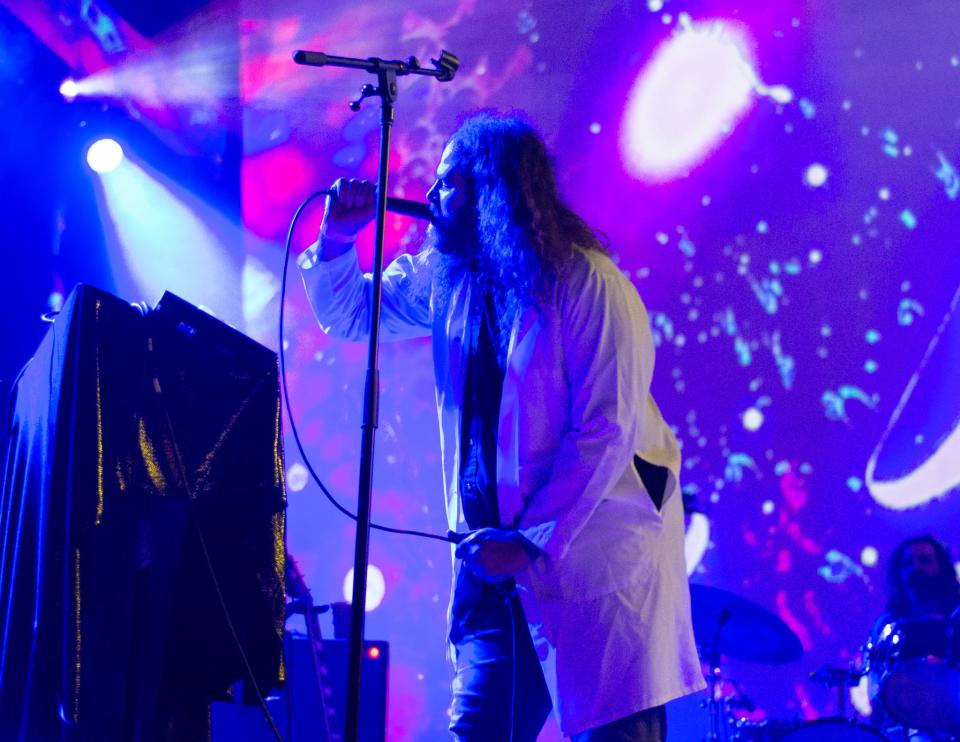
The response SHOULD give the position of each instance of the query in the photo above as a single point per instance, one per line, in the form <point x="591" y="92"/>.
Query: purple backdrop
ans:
<point x="779" y="181"/>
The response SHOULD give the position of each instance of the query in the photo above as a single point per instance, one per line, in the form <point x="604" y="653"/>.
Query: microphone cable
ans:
<point x="286" y="396"/>
<point x="508" y="599"/>
<point x="451" y="537"/>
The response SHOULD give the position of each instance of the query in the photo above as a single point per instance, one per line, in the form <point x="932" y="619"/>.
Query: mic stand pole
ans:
<point x="386" y="71"/>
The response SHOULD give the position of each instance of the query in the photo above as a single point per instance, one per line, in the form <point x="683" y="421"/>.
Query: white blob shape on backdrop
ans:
<point x="908" y="477"/>
<point x="297" y="477"/>
<point x="376" y="587"/>
<point x="815" y="175"/>
<point x="686" y="100"/>
<point x="696" y="541"/>
<point x="752" y="419"/>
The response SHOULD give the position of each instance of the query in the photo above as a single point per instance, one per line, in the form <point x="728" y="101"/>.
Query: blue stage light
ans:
<point x="104" y="155"/>
<point x="69" y="89"/>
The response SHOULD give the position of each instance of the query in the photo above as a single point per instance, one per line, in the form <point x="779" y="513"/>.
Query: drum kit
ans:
<point x="912" y="666"/>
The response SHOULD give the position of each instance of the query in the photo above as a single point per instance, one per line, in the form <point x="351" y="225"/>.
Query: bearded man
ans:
<point x="913" y="653"/>
<point x="570" y="590"/>
<point x="922" y="580"/>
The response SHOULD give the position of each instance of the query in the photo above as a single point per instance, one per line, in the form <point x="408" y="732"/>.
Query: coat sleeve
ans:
<point x="340" y="295"/>
<point x="609" y="357"/>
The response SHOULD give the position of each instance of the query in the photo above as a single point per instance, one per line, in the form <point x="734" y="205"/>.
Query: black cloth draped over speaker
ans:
<point x="110" y="625"/>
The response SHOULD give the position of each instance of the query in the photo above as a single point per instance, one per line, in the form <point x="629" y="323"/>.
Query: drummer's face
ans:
<point x="921" y="558"/>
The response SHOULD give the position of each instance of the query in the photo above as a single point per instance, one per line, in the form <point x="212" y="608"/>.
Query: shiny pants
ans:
<point x="499" y="694"/>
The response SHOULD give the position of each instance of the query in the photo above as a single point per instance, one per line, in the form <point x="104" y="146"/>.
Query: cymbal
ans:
<point x="739" y="628"/>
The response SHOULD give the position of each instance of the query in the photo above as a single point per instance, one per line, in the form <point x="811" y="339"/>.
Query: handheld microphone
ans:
<point x="414" y="209"/>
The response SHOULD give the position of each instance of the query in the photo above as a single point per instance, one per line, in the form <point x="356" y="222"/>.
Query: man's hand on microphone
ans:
<point x="349" y="208"/>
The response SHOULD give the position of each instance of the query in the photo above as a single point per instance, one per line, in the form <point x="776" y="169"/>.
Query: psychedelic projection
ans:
<point x="767" y="179"/>
<point x="779" y="180"/>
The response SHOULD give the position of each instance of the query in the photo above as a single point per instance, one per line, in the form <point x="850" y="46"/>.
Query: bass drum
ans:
<point x="833" y="730"/>
<point x="918" y="664"/>
<point x="923" y="694"/>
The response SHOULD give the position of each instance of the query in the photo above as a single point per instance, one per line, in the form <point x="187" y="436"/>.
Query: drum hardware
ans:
<point x="913" y="664"/>
<point x="740" y="629"/>
<point x="914" y="667"/>
<point x="834" y="729"/>
<point x="727" y="625"/>
<point x="839" y="679"/>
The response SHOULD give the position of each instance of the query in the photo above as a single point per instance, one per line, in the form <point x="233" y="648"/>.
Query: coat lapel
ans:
<point x="450" y="359"/>
<point x="519" y="353"/>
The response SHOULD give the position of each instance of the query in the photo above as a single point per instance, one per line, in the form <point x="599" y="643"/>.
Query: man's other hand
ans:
<point x="495" y="554"/>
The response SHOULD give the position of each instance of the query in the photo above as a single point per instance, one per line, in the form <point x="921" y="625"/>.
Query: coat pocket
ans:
<point x="654" y="479"/>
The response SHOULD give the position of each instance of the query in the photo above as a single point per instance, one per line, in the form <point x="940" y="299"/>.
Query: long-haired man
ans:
<point x="570" y="588"/>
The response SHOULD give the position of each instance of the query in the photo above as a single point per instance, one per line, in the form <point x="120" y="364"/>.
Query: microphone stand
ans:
<point x="387" y="72"/>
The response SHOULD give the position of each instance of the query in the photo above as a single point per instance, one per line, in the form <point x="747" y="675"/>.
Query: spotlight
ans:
<point x="69" y="89"/>
<point x="104" y="155"/>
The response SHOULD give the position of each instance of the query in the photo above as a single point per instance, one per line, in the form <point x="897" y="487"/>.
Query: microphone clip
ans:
<point x="367" y="91"/>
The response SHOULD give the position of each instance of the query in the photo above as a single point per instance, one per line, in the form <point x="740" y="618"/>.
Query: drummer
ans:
<point x="921" y="619"/>
<point x="922" y="580"/>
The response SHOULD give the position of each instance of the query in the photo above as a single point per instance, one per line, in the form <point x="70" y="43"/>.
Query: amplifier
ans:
<point x="297" y="710"/>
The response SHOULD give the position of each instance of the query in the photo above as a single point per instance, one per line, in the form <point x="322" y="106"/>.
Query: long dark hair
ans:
<point x="525" y="232"/>
<point x="948" y="585"/>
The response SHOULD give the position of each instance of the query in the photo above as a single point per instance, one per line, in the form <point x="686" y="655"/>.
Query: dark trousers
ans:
<point x="499" y="683"/>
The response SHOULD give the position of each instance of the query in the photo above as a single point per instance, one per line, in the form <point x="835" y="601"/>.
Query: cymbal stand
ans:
<point x="840" y="679"/>
<point x="716" y="702"/>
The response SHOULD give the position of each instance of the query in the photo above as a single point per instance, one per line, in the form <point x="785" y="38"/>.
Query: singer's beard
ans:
<point x="456" y="236"/>
<point x="454" y="248"/>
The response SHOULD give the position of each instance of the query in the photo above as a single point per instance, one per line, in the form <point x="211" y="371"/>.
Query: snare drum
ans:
<point x="822" y="730"/>
<point x="768" y="730"/>
<point x="915" y="665"/>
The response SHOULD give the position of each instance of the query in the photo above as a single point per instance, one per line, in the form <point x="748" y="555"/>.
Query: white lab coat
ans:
<point x="608" y="606"/>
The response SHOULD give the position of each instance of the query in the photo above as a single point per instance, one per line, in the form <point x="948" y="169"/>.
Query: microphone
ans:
<point x="414" y="209"/>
